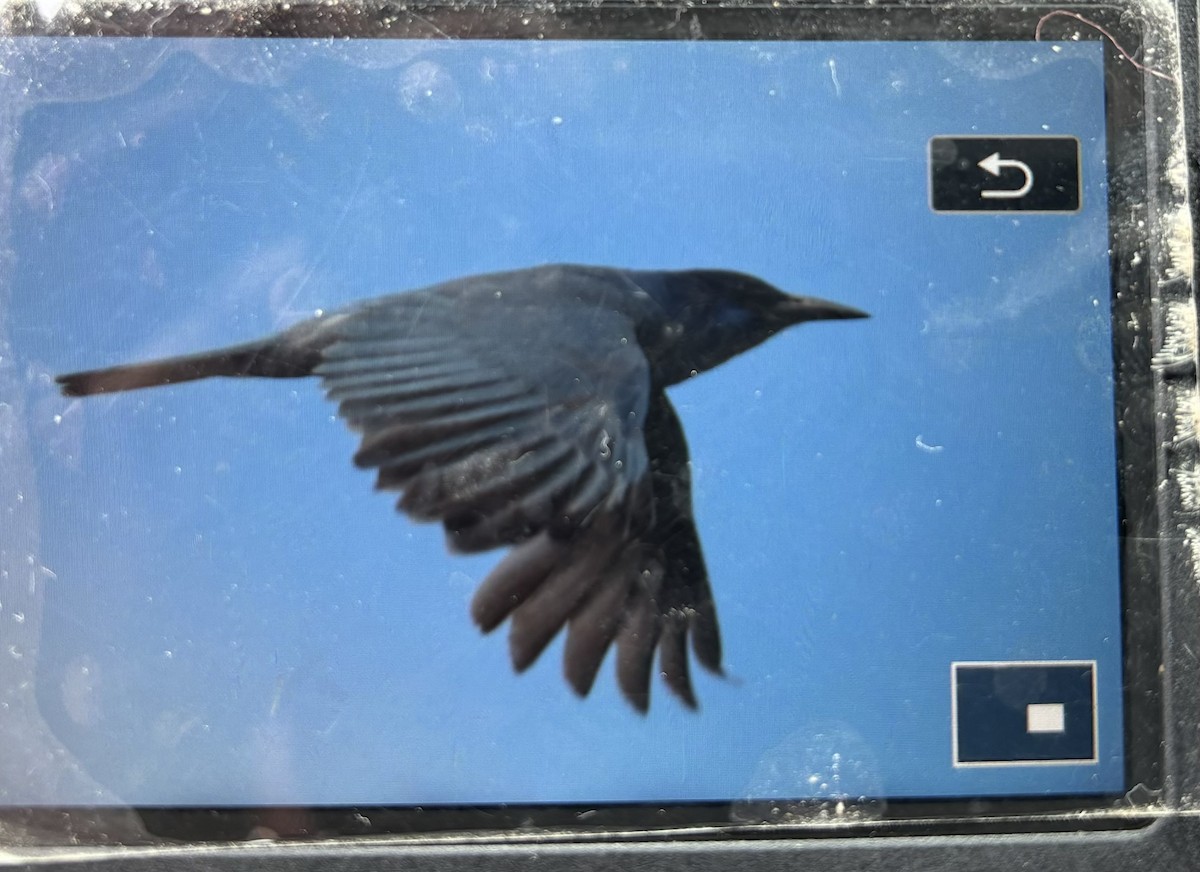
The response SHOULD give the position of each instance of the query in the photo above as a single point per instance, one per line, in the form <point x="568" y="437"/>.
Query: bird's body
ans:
<point x="527" y="409"/>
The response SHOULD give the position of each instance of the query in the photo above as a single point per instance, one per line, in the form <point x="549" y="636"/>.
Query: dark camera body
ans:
<point x="1152" y="122"/>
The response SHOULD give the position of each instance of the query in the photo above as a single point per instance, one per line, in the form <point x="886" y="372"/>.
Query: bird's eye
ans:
<point x="672" y="331"/>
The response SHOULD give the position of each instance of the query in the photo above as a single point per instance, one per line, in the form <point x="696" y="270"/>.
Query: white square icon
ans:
<point x="1045" y="717"/>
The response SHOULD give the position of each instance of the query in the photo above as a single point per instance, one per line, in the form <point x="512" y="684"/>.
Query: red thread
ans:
<point x="1037" y="34"/>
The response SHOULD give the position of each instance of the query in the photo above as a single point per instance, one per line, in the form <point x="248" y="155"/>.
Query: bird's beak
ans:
<point x="794" y="310"/>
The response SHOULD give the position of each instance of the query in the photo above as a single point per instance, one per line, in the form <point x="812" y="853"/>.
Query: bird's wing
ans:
<point x="499" y="421"/>
<point x="528" y="425"/>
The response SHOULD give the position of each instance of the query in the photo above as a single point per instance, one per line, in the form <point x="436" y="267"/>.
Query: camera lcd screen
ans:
<point x="905" y="528"/>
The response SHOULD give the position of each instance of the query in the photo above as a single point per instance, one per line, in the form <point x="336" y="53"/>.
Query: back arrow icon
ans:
<point x="993" y="164"/>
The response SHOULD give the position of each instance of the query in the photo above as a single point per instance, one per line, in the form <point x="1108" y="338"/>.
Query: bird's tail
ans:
<point x="266" y="357"/>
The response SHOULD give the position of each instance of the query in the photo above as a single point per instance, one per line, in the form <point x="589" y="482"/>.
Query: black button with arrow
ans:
<point x="1004" y="174"/>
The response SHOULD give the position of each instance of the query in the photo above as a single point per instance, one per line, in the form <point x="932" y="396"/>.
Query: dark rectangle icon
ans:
<point x="1024" y="712"/>
<point x="1004" y="173"/>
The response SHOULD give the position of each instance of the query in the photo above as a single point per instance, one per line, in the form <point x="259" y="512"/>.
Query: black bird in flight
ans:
<point x="527" y="409"/>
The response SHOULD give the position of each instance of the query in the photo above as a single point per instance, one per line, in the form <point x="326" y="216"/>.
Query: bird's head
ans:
<point x="712" y="315"/>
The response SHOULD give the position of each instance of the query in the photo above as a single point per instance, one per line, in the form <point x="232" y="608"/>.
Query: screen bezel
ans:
<point x="1131" y="200"/>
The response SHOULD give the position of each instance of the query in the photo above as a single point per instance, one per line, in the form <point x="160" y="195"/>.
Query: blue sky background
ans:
<point x="238" y="618"/>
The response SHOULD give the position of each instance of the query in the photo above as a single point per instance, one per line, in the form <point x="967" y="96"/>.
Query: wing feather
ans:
<point x="523" y="514"/>
<point x="396" y="470"/>
<point x="673" y="659"/>
<point x="480" y="483"/>
<point x="514" y="579"/>
<point x="402" y="437"/>
<point x="540" y="618"/>
<point x="366" y="398"/>
<point x="706" y="635"/>
<point x="380" y="412"/>
<point x="636" y="641"/>
<point x="353" y="354"/>
<point x="594" y="625"/>
<point x="373" y="384"/>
